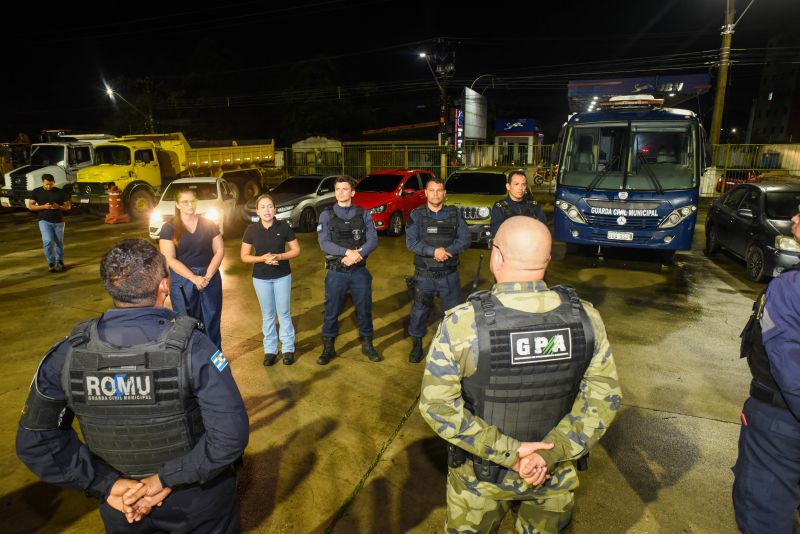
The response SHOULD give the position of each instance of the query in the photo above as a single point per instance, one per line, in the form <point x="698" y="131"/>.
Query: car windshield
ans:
<point x="379" y="183"/>
<point x="782" y="205"/>
<point x="302" y="186"/>
<point x="477" y="183"/>
<point x="112" y="155"/>
<point x="45" y="155"/>
<point x="203" y="190"/>
<point x="645" y="156"/>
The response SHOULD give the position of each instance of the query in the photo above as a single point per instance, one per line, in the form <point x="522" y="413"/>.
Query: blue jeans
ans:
<point x="205" y="305"/>
<point x="275" y="295"/>
<point x="359" y="282"/>
<point x="766" y="486"/>
<point x="53" y="241"/>
<point x="449" y="290"/>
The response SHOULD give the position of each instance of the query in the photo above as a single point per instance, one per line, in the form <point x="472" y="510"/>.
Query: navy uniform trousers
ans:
<point x="449" y="290"/>
<point x="358" y="281"/>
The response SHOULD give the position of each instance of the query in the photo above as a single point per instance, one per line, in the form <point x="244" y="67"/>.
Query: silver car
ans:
<point x="299" y="200"/>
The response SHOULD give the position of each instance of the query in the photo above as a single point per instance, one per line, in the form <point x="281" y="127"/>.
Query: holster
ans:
<point x="423" y="297"/>
<point x="487" y="471"/>
<point x="456" y="456"/>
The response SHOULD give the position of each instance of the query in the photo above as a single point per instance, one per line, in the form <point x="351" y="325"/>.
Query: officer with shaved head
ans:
<point x="521" y="382"/>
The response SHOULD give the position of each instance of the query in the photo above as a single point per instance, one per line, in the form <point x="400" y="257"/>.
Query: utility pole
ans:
<point x="442" y="71"/>
<point x="722" y="80"/>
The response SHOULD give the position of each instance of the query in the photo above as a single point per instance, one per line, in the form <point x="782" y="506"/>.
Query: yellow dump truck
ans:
<point x="141" y="165"/>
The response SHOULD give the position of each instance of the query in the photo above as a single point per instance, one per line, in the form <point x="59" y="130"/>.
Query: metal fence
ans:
<point x="359" y="159"/>
<point x="735" y="164"/>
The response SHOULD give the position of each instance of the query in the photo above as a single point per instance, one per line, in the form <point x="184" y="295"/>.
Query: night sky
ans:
<point x="289" y="70"/>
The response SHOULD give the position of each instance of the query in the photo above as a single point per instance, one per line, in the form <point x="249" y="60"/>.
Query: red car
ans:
<point x="734" y="177"/>
<point x="390" y="195"/>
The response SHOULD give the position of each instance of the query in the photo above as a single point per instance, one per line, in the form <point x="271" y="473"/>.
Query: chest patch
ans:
<point x="541" y="346"/>
<point x="129" y="387"/>
<point x="432" y="229"/>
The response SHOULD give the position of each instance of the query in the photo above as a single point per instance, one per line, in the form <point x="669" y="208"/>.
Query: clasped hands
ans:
<point x="136" y="498"/>
<point x="351" y="257"/>
<point x="441" y="255"/>
<point x="531" y="467"/>
<point x="269" y="258"/>
<point x="201" y="282"/>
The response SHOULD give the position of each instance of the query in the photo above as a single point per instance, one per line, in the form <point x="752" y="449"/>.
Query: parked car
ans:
<point x="753" y="222"/>
<point x="390" y="195"/>
<point x="475" y="191"/>
<point x="734" y="177"/>
<point x="216" y="200"/>
<point x="299" y="200"/>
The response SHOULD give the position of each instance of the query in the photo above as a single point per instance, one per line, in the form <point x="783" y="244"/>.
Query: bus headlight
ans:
<point x="786" y="243"/>
<point x="677" y="216"/>
<point x="571" y="211"/>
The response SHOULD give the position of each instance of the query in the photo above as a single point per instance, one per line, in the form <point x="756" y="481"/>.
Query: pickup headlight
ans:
<point x="677" y="216"/>
<point x="378" y="209"/>
<point x="284" y="209"/>
<point x="786" y="243"/>
<point x="212" y="215"/>
<point x="155" y="219"/>
<point x="571" y="211"/>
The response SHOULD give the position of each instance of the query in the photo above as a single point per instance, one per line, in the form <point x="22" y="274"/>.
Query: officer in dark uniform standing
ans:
<point x="518" y="202"/>
<point x="162" y="418"/>
<point x="766" y="488"/>
<point x="347" y="235"/>
<point x="436" y="234"/>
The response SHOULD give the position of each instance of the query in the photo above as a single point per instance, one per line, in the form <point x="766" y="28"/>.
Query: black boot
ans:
<point x="416" y="354"/>
<point x="368" y="350"/>
<point x="328" y="352"/>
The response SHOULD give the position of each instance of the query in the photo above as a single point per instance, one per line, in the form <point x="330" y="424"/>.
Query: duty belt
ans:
<point x="335" y="264"/>
<point x="440" y="273"/>
<point x="759" y="392"/>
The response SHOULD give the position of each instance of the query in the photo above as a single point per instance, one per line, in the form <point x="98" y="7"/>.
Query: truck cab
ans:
<point x="62" y="160"/>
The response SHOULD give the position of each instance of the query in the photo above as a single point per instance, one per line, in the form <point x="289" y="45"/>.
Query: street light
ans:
<point x="440" y="75"/>
<point x="148" y="117"/>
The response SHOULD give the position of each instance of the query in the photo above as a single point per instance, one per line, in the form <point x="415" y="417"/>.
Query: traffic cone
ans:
<point x="116" y="211"/>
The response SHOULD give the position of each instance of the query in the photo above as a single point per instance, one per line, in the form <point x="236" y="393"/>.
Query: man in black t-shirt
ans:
<point x="49" y="202"/>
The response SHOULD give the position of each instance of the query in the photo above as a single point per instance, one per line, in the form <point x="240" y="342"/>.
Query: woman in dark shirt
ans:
<point x="264" y="245"/>
<point x="194" y="250"/>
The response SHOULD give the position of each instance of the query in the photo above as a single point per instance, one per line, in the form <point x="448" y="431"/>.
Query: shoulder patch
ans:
<point x="319" y="227"/>
<point x="219" y="361"/>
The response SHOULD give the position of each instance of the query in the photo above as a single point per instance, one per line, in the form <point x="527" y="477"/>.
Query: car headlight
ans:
<point x="212" y="215"/>
<point x="156" y="219"/>
<point x="378" y="209"/>
<point x="677" y="216"/>
<point x="284" y="209"/>
<point x="571" y="211"/>
<point x="787" y="243"/>
<point x="484" y="212"/>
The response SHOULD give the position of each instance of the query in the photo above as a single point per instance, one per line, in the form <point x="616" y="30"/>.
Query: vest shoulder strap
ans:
<point x="569" y="294"/>
<point x="180" y="333"/>
<point x="81" y="333"/>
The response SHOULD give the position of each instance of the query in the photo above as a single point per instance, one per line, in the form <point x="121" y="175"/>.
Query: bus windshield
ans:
<point x="635" y="156"/>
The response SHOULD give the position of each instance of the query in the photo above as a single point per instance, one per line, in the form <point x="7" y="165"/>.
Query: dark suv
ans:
<point x="753" y="222"/>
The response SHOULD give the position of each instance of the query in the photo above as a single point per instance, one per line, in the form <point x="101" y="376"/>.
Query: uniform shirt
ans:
<point x="414" y="234"/>
<point x="59" y="457"/>
<point x="453" y="356"/>
<point x="324" y="231"/>
<point x="517" y="208"/>
<point x="195" y="249"/>
<point x="780" y="333"/>
<point x="269" y="240"/>
<point x="42" y="196"/>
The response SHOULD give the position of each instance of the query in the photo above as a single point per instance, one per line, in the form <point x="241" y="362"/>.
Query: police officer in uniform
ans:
<point x="436" y="234"/>
<point x="766" y="488"/>
<point x="162" y="418"/>
<point x="521" y="382"/>
<point x="518" y="202"/>
<point x="347" y="235"/>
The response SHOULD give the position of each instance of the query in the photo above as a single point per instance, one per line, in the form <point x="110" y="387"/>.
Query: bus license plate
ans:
<point x="5" y="202"/>
<point x="621" y="236"/>
<point x="84" y="201"/>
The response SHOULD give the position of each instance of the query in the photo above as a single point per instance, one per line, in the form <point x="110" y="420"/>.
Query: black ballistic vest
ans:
<point x="437" y="233"/>
<point x="134" y="404"/>
<point x="763" y="385"/>
<point x="350" y="234"/>
<point x="529" y="364"/>
<point x="527" y="208"/>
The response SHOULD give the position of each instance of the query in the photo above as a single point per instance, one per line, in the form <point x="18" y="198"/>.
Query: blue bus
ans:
<point x="629" y="176"/>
